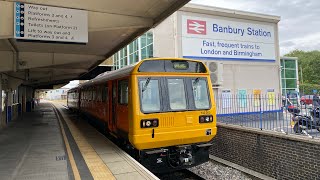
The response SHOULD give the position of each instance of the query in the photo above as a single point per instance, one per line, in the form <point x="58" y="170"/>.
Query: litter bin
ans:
<point x="9" y="114"/>
<point x="19" y="109"/>
<point x="28" y="106"/>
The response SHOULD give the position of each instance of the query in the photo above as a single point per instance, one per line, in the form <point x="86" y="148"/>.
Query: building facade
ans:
<point x="57" y="94"/>
<point x="240" y="48"/>
<point x="289" y="75"/>
<point x="141" y="48"/>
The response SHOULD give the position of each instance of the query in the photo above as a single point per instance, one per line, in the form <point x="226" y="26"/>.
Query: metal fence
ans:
<point x="268" y="112"/>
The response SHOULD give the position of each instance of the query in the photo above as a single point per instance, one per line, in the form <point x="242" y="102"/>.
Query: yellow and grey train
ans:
<point x="162" y="108"/>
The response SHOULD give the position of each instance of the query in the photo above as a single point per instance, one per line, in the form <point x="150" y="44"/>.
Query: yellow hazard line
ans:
<point x="97" y="167"/>
<point x="69" y="152"/>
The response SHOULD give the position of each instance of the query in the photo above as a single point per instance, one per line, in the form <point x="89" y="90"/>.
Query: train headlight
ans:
<point x="206" y="119"/>
<point x="155" y="123"/>
<point x="201" y="119"/>
<point x="149" y="123"/>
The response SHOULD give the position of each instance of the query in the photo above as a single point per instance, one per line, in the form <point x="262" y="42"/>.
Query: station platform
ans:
<point x="49" y="143"/>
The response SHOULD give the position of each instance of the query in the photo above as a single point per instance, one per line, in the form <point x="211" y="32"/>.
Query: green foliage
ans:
<point x="308" y="88"/>
<point x="309" y="66"/>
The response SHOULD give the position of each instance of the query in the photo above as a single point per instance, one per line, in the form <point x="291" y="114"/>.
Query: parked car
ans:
<point x="306" y="99"/>
<point x="292" y="108"/>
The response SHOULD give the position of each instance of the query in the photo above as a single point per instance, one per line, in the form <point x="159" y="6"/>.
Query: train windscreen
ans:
<point x="164" y="94"/>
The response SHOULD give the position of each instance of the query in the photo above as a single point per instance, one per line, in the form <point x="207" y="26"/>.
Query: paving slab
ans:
<point x="29" y="147"/>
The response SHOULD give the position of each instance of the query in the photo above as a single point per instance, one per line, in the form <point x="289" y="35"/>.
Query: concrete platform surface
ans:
<point x="41" y="145"/>
<point x="120" y="164"/>
<point x="32" y="147"/>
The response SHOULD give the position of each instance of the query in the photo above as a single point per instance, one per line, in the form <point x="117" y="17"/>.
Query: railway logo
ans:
<point x="196" y="27"/>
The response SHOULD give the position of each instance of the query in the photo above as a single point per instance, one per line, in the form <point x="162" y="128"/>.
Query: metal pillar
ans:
<point x="29" y="98"/>
<point x="24" y="99"/>
<point x="9" y="105"/>
<point x="2" y="124"/>
<point x="21" y="101"/>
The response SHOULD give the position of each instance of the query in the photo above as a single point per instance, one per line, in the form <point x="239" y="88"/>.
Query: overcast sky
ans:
<point x="299" y="27"/>
<point x="72" y="84"/>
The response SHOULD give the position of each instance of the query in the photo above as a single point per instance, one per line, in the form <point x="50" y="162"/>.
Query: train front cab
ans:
<point x="173" y="113"/>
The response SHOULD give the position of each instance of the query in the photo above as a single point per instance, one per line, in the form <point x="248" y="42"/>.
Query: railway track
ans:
<point x="181" y="174"/>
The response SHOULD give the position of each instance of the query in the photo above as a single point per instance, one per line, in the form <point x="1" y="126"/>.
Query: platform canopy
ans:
<point x="111" y="25"/>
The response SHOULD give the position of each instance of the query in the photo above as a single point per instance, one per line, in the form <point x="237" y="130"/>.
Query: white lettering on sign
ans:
<point x="46" y="23"/>
<point x="227" y="39"/>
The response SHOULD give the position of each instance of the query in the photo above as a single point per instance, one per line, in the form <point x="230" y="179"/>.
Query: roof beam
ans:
<point x="51" y="78"/>
<point x="28" y="60"/>
<point x="60" y="70"/>
<point x="103" y="22"/>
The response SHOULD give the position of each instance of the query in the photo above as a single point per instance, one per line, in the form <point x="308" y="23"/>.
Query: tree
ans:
<point x="309" y="63"/>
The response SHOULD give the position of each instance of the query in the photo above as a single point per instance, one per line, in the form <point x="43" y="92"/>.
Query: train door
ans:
<point x="122" y="107"/>
<point x="113" y="103"/>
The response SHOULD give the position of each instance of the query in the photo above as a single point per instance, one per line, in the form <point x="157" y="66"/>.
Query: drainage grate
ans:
<point x="61" y="158"/>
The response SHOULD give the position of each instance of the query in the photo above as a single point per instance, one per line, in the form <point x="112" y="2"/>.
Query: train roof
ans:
<point x="123" y="72"/>
<point x="73" y="89"/>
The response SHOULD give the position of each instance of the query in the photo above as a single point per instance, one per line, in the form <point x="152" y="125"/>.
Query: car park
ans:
<point x="306" y="99"/>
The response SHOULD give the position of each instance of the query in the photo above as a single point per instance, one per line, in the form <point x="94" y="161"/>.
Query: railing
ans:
<point x="268" y="112"/>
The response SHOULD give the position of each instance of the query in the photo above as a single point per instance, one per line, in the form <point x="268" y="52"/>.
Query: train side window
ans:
<point x="91" y="93"/>
<point x="104" y="94"/>
<point x="87" y="94"/>
<point x="99" y="94"/>
<point x="123" y="92"/>
<point x="94" y="93"/>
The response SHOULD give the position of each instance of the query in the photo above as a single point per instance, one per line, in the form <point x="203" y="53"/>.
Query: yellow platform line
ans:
<point x="97" y="167"/>
<point x="75" y="170"/>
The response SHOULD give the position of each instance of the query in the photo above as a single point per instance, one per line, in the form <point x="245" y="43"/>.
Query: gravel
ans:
<point x="217" y="171"/>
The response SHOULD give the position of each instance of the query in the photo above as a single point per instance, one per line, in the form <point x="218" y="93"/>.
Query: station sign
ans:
<point x="47" y="23"/>
<point x="222" y="38"/>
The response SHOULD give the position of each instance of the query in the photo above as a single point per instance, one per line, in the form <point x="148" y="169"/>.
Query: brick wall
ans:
<point x="271" y="153"/>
